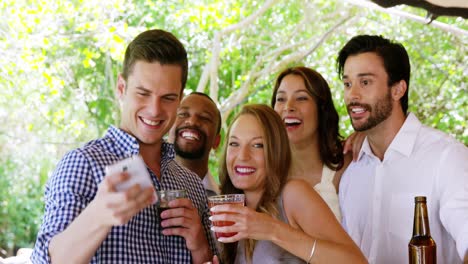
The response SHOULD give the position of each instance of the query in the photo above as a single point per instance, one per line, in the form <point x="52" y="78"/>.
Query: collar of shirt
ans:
<point x="127" y="145"/>
<point x="403" y="142"/>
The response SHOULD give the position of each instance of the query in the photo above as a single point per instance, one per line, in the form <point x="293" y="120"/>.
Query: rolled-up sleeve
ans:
<point x="68" y="191"/>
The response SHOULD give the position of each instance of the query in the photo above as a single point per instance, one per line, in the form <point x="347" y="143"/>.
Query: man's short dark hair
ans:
<point x="156" y="45"/>
<point x="395" y="59"/>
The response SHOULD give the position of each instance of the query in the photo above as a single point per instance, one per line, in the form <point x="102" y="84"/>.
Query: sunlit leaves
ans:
<point x="60" y="60"/>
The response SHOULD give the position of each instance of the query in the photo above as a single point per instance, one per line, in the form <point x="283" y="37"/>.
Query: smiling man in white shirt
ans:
<point x="399" y="159"/>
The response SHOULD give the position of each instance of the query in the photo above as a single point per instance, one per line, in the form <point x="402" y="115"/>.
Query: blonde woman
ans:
<point x="284" y="221"/>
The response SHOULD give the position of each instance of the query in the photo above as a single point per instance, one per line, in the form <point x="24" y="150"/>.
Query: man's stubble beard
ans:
<point x="379" y="112"/>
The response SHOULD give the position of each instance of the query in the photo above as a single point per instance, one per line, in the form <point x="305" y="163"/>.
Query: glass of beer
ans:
<point x="237" y="199"/>
<point x="165" y="196"/>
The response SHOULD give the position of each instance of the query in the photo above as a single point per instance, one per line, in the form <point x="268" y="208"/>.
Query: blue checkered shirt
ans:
<point x="74" y="184"/>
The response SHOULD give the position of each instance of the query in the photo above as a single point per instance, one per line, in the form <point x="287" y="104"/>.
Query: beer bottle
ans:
<point x="422" y="248"/>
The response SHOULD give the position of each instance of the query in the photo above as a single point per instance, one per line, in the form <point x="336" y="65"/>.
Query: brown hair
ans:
<point x="277" y="162"/>
<point x="156" y="45"/>
<point x="331" y="149"/>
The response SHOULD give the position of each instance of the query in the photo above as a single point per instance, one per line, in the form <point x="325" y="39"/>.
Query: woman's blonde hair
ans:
<point x="277" y="155"/>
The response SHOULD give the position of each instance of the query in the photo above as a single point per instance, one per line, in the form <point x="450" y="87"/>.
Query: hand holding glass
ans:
<point x="236" y="199"/>
<point x="165" y="196"/>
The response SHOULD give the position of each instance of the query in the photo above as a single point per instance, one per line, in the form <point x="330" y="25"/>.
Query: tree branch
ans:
<point x="406" y="15"/>
<point x="238" y="96"/>
<point x="211" y="68"/>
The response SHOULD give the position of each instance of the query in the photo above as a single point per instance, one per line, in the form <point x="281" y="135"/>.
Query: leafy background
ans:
<point x="60" y="60"/>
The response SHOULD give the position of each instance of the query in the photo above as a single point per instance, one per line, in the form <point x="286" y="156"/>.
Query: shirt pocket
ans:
<point x="401" y="217"/>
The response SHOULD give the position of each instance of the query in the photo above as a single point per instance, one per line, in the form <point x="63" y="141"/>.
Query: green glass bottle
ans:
<point x="422" y="248"/>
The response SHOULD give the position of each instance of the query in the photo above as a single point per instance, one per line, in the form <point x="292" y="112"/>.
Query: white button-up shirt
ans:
<point x="377" y="197"/>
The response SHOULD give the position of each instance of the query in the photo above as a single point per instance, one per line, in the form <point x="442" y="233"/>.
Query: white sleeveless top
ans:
<point x="327" y="191"/>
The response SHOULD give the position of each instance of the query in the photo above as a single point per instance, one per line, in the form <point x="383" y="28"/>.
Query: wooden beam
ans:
<point x="435" y="10"/>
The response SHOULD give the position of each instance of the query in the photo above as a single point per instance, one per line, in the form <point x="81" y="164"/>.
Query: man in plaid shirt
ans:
<point x="86" y="220"/>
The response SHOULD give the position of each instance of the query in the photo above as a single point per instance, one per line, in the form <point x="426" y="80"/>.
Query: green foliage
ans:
<point x="60" y="60"/>
<point x="21" y="191"/>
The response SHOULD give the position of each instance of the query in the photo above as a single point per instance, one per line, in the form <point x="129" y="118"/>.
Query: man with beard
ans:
<point x="399" y="159"/>
<point x="196" y="131"/>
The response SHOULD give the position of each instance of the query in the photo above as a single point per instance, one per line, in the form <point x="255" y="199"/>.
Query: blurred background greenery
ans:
<point x="60" y="60"/>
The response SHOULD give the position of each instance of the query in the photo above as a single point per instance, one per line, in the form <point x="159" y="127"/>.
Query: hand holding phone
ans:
<point x="136" y="168"/>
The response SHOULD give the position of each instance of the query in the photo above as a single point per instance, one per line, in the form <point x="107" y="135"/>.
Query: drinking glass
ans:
<point x="237" y="199"/>
<point x="165" y="196"/>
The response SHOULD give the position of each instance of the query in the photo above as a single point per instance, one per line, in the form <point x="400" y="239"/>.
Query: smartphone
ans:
<point x="136" y="168"/>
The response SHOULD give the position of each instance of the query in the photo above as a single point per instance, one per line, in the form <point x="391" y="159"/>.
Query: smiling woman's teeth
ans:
<point x="245" y="170"/>
<point x="292" y="121"/>
<point x="150" y="122"/>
